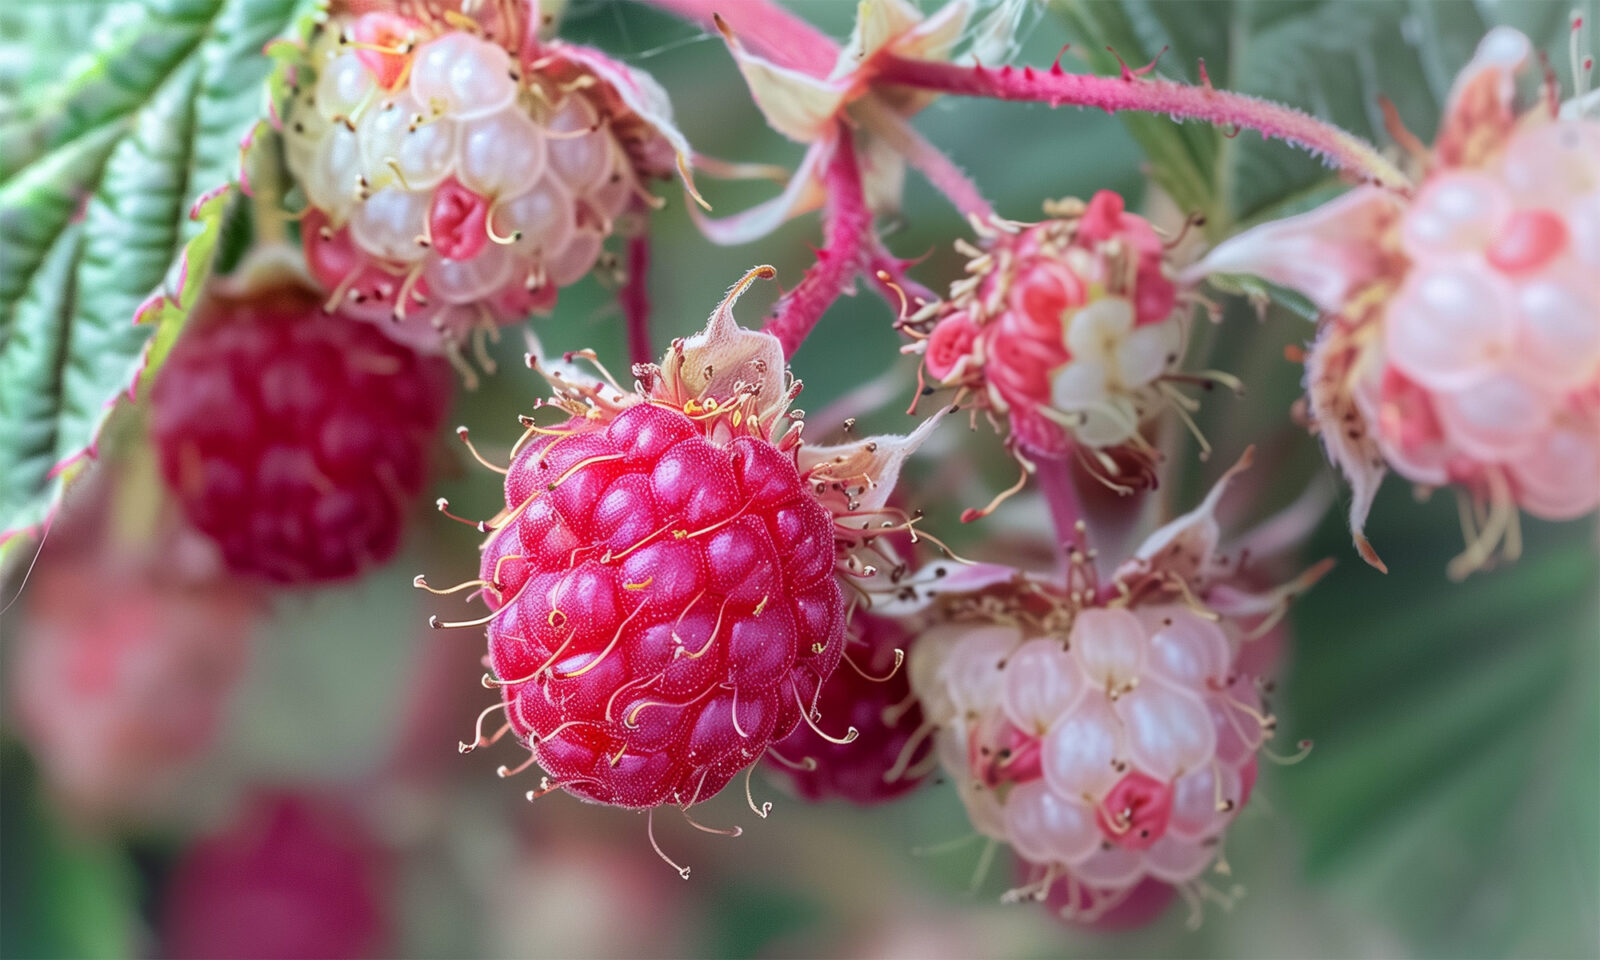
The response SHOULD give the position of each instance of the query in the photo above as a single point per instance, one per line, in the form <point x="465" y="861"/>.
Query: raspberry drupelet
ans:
<point x="458" y="170"/>
<point x="665" y="581"/>
<point x="296" y="440"/>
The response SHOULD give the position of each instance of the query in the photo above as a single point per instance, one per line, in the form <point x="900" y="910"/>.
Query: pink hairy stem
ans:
<point x="846" y="223"/>
<point x="1181" y="101"/>
<point x="1055" y="483"/>
<point x="765" y="28"/>
<point x="635" y="299"/>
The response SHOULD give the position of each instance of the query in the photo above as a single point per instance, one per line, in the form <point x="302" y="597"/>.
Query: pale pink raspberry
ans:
<point x="1490" y="354"/>
<point x="1112" y="751"/>
<point x="1107" y="732"/>
<point x="123" y="671"/>
<point x="459" y="172"/>
<point x="1461" y="338"/>
<point x="1069" y="327"/>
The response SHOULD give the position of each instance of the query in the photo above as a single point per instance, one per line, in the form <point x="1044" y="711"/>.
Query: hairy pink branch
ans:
<point x="765" y="28"/>
<point x="846" y="224"/>
<point x="1130" y="92"/>
<point x="635" y="299"/>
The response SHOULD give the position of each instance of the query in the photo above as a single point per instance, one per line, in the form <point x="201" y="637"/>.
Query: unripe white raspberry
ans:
<point x="458" y="177"/>
<point x="1107" y="731"/>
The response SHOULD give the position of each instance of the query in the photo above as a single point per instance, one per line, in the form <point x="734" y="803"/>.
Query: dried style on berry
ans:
<point x="669" y="579"/>
<point x="1107" y="731"/>
<point x="459" y="170"/>
<point x="1460" y="343"/>
<point x="298" y="441"/>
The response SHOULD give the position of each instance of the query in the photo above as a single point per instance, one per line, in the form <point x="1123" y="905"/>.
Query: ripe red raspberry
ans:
<point x="887" y="760"/>
<point x="673" y="606"/>
<point x="664" y="578"/>
<point x="293" y="438"/>
<point x="294" y="876"/>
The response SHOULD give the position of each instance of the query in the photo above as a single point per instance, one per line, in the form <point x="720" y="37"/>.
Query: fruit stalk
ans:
<point x="635" y="299"/>
<point x="1055" y="482"/>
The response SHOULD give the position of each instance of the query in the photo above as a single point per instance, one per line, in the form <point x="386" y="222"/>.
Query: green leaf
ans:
<point x="114" y="183"/>
<point x="132" y="51"/>
<point x="38" y="42"/>
<point x="1451" y="791"/>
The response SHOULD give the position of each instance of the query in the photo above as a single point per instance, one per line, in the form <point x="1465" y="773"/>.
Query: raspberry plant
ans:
<point x="254" y="241"/>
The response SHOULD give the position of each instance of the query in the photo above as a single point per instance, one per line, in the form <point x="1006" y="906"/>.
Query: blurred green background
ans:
<point x="1451" y="806"/>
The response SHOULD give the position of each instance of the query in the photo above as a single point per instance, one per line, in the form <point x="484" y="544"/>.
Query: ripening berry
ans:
<point x="1070" y="327"/>
<point x="121" y="675"/>
<point x="873" y="694"/>
<point x="1490" y="357"/>
<point x="1108" y="733"/>
<point x="1111" y="751"/>
<point x="293" y="876"/>
<point x="294" y="439"/>
<point x="456" y="177"/>
<point x="1461" y="338"/>
<point x="672" y="605"/>
<point x="664" y="579"/>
